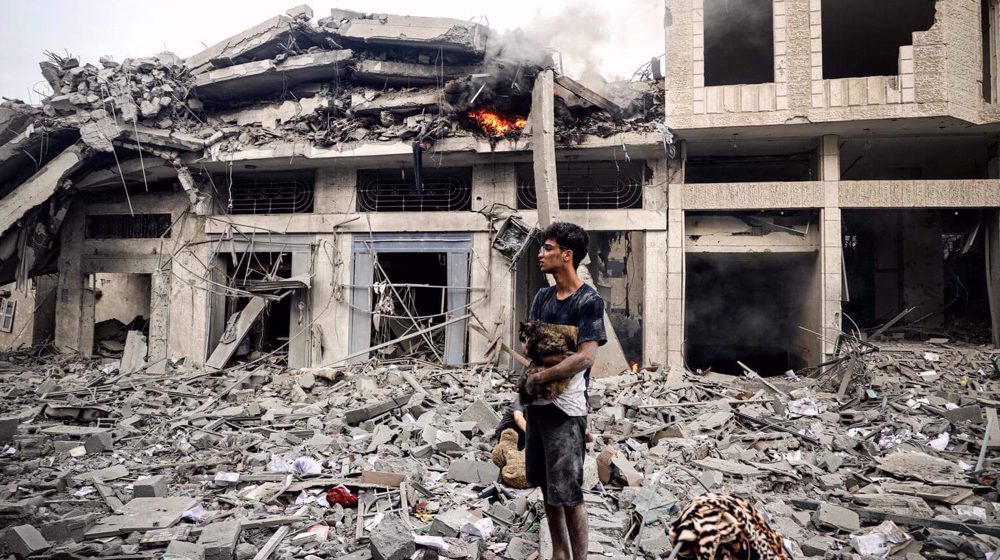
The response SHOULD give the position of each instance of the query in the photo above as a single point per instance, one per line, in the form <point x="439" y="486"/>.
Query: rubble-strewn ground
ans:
<point x="254" y="453"/>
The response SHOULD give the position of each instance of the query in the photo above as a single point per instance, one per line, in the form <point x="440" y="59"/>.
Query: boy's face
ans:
<point x="552" y="257"/>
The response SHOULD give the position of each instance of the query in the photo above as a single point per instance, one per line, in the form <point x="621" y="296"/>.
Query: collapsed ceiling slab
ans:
<point x="264" y="78"/>
<point x="39" y="187"/>
<point x="445" y="34"/>
<point x="394" y="73"/>
<point x="262" y="41"/>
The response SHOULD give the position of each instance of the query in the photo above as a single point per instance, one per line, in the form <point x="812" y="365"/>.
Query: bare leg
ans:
<point x="557" y="529"/>
<point x="576" y="523"/>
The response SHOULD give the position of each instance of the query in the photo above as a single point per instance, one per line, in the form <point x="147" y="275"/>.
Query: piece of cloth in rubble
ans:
<point x="583" y="309"/>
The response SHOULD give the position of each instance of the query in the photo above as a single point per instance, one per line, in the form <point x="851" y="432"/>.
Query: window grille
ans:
<point x="125" y="226"/>
<point x="271" y="193"/>
<point x="594" y="185"/>
<point x="444" y="189"/>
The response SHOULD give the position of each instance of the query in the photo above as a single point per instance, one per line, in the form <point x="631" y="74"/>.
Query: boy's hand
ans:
<point x="531" y="384"/>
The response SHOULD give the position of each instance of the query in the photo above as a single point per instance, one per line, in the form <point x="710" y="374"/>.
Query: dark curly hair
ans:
<point x="570" y="237"/>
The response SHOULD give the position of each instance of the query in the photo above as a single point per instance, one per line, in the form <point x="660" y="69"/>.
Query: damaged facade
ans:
<point x="342" y="178"/>
<point x="351" y="180"/>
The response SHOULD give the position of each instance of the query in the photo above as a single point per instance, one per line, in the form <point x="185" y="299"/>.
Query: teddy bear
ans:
<point x="510" y="459"/>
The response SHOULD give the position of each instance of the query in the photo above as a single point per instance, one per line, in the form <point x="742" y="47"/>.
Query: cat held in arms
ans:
<point x="545" y="344"/>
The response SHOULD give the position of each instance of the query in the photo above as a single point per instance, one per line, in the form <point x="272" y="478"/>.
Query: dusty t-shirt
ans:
<point x="584" y="310"/>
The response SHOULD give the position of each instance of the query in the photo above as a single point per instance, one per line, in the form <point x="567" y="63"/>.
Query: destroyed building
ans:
<point x="343" y="178"/>
<point x="361" y="179"/>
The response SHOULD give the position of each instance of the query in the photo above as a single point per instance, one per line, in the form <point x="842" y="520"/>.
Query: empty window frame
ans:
<point x="396" y="190"/>
<point x="589" y="185"/>
<point x="124" y="226"/>
<point x="862" y="37"/>
<point x="739" y="42"/>
<point x="7" y="307"/>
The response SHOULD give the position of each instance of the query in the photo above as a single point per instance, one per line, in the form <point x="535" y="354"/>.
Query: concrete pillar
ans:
<point x="799" y="55"/>
<point x="675" y="263"/>
<point x="159" y="321"/>
<point x="655" y="293"/>
<point x="543" y="148"/>
<point x="182" y="289"/>
<point x="331" y="298"/>
<point x="299" y="333"/>
<point x="832" y="245"/>
<point x="491" y="275"/>
<point x="335" y="190"/>
<point x="993" y="269"/>
<point x="69" y="298"/>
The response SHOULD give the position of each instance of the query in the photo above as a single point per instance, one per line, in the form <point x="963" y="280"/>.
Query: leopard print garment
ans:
<point x="724" y="527"/>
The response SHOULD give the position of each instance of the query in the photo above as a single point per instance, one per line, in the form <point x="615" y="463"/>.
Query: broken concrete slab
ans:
<point x="260" y="41"/>
<point x="268" y="78"/>
<point x="219" y="539"/>
<point x="142" y="514"/>
<point x="406" y="74"/>
<point x="23" y="541"/>
<point x="474" y="472"/>
<point x="151" y="487"/>
<point x="831" y="515"/>
<point x="111" y="473"/>
<point x="182" y="550"/>
<point x="391" y="539"/>
<point x="436" y="34"/>
<point x="360" y="414"/>
<point x="483" y="415"/>
<point x="374" y="102"/>
<point x="449" y="523"/>
<point x="39" y="187"/>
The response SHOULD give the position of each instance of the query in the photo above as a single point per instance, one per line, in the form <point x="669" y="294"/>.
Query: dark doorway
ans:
<point x="747" y="307"/>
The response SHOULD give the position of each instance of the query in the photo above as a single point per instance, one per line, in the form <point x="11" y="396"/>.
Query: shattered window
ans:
<point x="7" y="314"/>
<point x="589" y="185"/>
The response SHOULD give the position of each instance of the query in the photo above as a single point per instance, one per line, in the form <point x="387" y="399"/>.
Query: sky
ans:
<point x="613" y="38"/>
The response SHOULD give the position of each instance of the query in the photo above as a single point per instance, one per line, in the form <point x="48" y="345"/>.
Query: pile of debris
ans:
<point x="385" y="459"/>
<point x="348" y="77"/>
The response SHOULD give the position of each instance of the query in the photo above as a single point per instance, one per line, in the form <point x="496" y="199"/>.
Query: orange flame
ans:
<point x="495" y="124"/>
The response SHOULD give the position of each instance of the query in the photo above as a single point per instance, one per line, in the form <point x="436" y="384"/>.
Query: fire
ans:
<point x="495" y="124"/>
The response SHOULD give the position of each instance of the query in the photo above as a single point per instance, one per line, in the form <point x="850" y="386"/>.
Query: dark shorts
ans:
<point x="554" y="451"/>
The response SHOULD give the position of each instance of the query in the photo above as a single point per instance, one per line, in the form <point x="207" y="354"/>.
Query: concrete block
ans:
<point x="475" y="472"/>
<point x="829" y="515"/>
<point x="964" y="415"/>
<point x="182" y="550"/>
<point x="219" y="539"/>
<point x="99" y="443"/>
<point x="483" y="415"/>
<point x="68" y="528"/>
<point x="302" y="10"/>
<point x="604" y="469"/>
<point x="520" y="549"/>
<point x="24" y="540"/>
<point x="624" y="470"/>
<point x="152" y="487"/>
<point x="449" y="523"/>
<point x="391" y="539"/>
<point x="8" y="427"/>
<point x="414" y="31"/>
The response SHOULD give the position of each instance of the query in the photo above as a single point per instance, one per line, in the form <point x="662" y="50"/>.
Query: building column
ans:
<point x="69" y="297"/>
<point x="159" y="322"/>
<point x="491" y="279"/>
<point x="833" y="246"/>
<point x="675" y="262"/>
<point x="299" y="331"/>
<point x="331" y="298"/>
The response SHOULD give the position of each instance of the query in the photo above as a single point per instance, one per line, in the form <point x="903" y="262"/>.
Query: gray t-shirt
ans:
<point x="584" y="310"/>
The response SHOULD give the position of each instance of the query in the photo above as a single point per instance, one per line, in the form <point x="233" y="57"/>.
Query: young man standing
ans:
<point x="556" y="430"/>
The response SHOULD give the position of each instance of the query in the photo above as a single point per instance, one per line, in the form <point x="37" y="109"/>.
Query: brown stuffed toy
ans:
<point x="546" y="345"/>
<point x="510" y="460"/>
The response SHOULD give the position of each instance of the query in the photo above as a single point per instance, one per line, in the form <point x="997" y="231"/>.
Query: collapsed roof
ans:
<point x="346" y="78"/>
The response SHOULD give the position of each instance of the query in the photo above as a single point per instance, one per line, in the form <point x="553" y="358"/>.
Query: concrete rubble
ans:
<point x="346" y="473"/>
